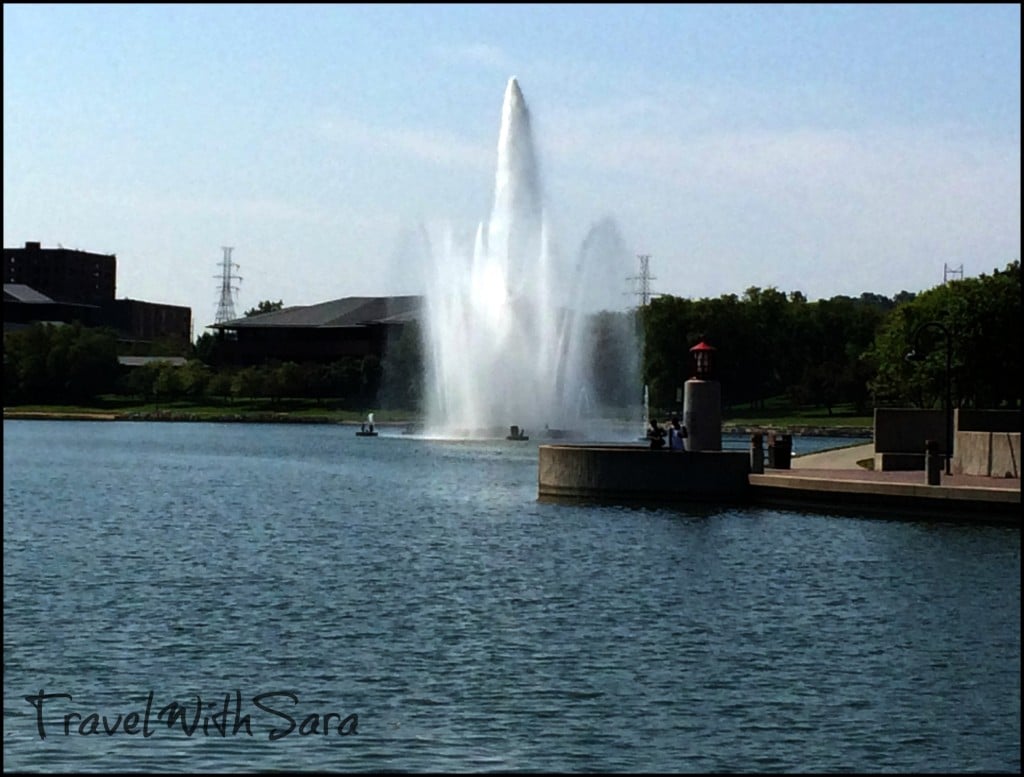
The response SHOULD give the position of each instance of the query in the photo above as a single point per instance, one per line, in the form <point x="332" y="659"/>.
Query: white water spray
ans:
<point x="504" y="334"/>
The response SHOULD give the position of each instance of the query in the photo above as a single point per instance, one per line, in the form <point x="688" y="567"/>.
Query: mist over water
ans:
<point x="506" y="340"/>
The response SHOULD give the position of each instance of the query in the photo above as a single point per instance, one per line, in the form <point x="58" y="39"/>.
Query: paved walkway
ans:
<point x="837" y="458"/>
<point x="841" y="464"/>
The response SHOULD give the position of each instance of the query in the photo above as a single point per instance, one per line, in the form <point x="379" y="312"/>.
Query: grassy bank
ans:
<point x="256" y="410"/>
<point x="778" y="417"/>
<point x="778" y="414"/>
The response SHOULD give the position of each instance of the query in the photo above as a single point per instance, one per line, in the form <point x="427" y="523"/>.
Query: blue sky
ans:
<point x="823" y="149"/>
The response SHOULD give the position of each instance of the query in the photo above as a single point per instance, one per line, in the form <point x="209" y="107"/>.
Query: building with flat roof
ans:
<point x="325" y="332"/>
<point x="24" y="305"/>
<point x="136" y="319"/>
<point x="62" y="285"/>
<point x="63" y="274"/>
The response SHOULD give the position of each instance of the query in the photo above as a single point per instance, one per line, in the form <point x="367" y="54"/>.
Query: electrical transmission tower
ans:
<point x="642" y="281"/>
<point x="948" y="272"/>
<point x="226" y="306"/>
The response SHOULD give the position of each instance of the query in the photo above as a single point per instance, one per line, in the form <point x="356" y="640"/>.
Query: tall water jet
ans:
<point x="505" y="340"/>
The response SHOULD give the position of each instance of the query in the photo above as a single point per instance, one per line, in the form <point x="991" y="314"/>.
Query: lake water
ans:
<point x="419" y="586"/>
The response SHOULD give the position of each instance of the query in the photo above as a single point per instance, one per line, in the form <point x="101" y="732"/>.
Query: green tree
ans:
<point x="666" y="322"/>
<point x="170" y="383"/>
<point x="92" y="363"/>
<point x="248" y="382"/>
<point x="195" y="377"/>
<point x="210" y="348"/>
<point x="219" y="385"/>
<point x="831" y="336"/>
<point x="140" y="381"/>
<point x="284" y="380"/>
<point x="402" y="370"/>
<point x="770" y="327"/>
<point x="25" y="357"/>
<point x="266" y="306"/>
<point x="982" y="317"/>
<point x="314" y="380"/>
<point x="167" y="345"/>
<point x="768" y="344"/>
<point x="56" y="363"/>
<point x="342" y="379"/>
<point x="370" y="372"/>
<point x="615" y="343"/>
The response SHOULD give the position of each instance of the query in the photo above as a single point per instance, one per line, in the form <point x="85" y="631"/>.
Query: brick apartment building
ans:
<point x="65" y="285"/>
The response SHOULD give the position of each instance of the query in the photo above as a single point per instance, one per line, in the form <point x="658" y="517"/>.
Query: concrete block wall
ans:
<point x="991" y="454"/>
<point x="900" y="434"/>
<point x="986" y="442"/>
<point x="965" y="420"/>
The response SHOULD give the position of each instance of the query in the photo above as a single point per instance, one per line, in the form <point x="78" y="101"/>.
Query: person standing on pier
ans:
<point x="676" y="435"/>
<point x="656" y="435"/>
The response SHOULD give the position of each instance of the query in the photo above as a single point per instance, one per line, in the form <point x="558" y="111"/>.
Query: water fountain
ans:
<point x="505" y="340"/>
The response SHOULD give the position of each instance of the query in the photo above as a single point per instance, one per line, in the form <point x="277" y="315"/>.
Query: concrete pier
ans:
<point x="629" y="472"/>
<point x="830" y="482"/>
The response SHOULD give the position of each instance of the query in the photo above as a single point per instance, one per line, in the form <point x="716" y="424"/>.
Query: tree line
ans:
<point x="838" y="351"/>
<point x="47" y="364"/>
<point x="846" y="350"/>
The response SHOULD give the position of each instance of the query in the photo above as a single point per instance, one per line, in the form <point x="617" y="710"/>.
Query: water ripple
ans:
<point x="420" y="585"/>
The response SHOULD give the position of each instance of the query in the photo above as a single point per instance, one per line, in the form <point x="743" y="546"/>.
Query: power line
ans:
<point x="226" y="306"/>
<point x="642" y="281"/>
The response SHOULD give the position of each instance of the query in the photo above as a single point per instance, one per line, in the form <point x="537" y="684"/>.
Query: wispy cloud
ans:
<point x="482" y="54"/>
<point x="185" y="207"/>
<point x="908" y="163"/>
<point x="441" y="148"/>
<point x="817" y="207"/>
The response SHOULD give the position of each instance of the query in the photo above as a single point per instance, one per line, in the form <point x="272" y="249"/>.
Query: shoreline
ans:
<point x="174" y="416"/>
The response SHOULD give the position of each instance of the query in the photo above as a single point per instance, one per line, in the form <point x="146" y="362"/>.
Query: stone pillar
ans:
<point x="780" y="450"/>
<point x="932" y="463"/>
<point x="702" y="415"/>
<point x="757" y="453"/>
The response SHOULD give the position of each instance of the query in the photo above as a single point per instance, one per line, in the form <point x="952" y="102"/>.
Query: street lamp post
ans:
<point x="949" y="389"/>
